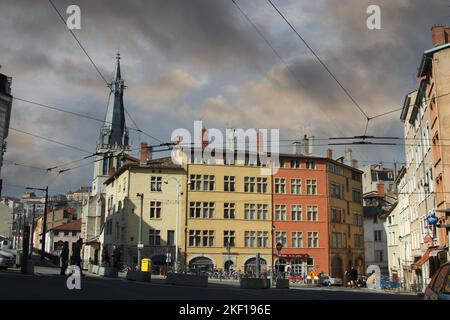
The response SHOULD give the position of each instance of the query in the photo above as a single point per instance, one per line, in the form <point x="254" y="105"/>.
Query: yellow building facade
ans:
<point x="161" y="183"/>
<point x="227" y="204"/>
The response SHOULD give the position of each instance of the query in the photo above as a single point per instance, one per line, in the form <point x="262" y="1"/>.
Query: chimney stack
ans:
<point x="349" y="157"/>
<point x="297" y="147"/>
<point x="259" y="142"/>
<point x="146" y="154"/>
<point x="439" y="34"/>
<point x="330" y="153"/>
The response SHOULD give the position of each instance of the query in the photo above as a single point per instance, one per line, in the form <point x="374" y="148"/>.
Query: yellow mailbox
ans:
<point x="146" y="265"/>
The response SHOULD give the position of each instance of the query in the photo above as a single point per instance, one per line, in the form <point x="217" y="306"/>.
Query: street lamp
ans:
<point x="140" y="245"/>
<point x="44" y="226"/>
<point x="176" y="218"/>
<point x="228" y="246"/>
<point x="279" y="247"/>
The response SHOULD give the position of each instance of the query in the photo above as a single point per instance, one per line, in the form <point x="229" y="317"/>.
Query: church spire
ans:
<point x="114" y="132"/>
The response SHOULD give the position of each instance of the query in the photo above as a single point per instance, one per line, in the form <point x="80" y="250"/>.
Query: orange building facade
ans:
<point x="303" y="213"/>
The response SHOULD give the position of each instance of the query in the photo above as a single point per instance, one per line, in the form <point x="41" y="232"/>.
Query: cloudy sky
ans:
<point x="186" y="60"/>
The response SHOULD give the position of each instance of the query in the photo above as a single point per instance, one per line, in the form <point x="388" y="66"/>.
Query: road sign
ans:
<point x="169" y="257"/>
<point x="140" y="246"/>
<point x="279" y="247"/>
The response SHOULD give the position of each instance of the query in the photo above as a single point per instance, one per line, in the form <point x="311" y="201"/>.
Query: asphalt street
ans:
<point x="46" y="283"/>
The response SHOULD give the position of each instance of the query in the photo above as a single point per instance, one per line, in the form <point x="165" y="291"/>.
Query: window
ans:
<point x="334" y="168"/>
<point x="356" y="196"/>
<point x="229" y="211"/>
<point x="295" y="163"/>
<point x="262" y="211"/>
<point x="249" y="184"/>
<point x="155" y="209"/>
<point x="229" y="237"/>
<point x="312" y="213"/>
<point x="74" y="233"/>
<point x="311" y="187"/>
<point x="280" y="185"/>
<point x="66" y="233"/>
<point x="195" y="182"/>
<point x="155" y="184"/>
<point x="209" y="209"/>
<point x="313" y="239"/>
<point x="297" y="239"/>
<point x="356" y="176"/>
<point x="296" y="212"/>
<point x="208" y="238"/>
<point x="357" y="219"/>
<point x="261" y="185"/>
<point x="379" y="255"/>
<point x="170" y="237"/>
<point x="205" y="210"/>
<point x="296" y="186"/>
<point x="377" y="235"/>
<point x="335" y="190"/>
<point x="281" y="237"/>
<point x="208" y="183"/>
<point x="194" y="238"/>
<point x="55" y="246"/>
<point x="280" y="212"/>
<point x="56" y="233"/>
<point x="154" y="237"/>
<point x="229" y="183"/>
<point x="262" y="239"/>
<point x="249" y="239"/>
<point x="338" y="240"/>
<point x="310" y="164"/>
<point x="336" y="215"/>
<point x="249" y="211"/>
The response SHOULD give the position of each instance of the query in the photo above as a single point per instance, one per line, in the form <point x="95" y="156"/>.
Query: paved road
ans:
<point x="48" y="284"/>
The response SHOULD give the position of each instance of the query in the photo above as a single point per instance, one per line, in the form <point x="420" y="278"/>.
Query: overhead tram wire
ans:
<point x="321" y="62"/>
<point x="51" y="140"/>
<point x="266" y="40"/>
<point x="97" y="69"/>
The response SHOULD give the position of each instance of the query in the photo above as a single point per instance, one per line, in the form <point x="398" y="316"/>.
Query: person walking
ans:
<point x="64" y="257"/>
<point x="76" y="255"/>
<point x="353" y="276"/>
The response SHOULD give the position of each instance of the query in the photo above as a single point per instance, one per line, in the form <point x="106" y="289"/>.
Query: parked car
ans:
<point x="439" y="287"/>
<point x="330" y="281"/>
<point x="7" y="259"/>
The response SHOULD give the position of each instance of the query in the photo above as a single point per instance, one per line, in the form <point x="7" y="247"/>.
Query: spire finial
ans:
<point x="118" y="55"/>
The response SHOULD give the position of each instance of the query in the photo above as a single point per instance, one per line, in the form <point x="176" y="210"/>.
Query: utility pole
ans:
<point x="140" y="245"/>
<point x="44" y="226"/>
<point x="32" y="229"/>
<point x="177" y="243"/>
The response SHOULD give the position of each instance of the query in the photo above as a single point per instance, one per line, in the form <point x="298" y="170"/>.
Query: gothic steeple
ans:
<point x="114" y="132"/>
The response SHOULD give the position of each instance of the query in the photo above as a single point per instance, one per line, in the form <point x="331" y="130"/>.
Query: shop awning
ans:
<point x="418" y="264"/>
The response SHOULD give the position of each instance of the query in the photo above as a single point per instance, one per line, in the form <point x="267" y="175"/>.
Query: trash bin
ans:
<point x="146" y="265"/>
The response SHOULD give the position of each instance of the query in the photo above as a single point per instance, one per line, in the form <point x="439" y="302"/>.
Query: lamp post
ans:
<point x="140" y="245"/>
<point x="44" y="225"/>
<point x="176" y="219"/>
<point x="228" y="246"/>
<point x="279" y="247"/>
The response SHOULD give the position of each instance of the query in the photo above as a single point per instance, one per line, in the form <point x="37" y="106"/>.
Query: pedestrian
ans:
<point x="76" y="255"/>
<point x="353" y="276"/>
<point x="64" y="257"/>
<point x="347" y="278"/>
